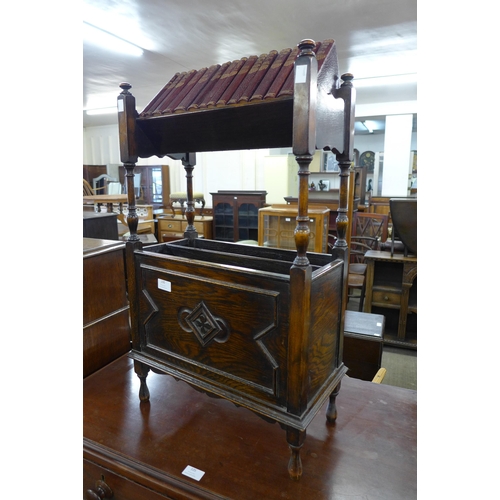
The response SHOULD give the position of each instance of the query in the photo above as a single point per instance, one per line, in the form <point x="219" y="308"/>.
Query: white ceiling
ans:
<point x="374" y="38"/>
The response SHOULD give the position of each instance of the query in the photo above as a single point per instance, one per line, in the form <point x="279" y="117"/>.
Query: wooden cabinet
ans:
<point x="106" y="328"/>
<point x="391" y="286"/>
<point x="172" y="228"/>
<point x="100" y="225"/>
<point x="236" y="214"/>
<point x="277" y="226"/>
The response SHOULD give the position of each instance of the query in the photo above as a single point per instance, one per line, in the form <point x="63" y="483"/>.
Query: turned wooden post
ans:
<point x="304" y="146"/>
<point x="304" y="138"/>
<point x="189" y="162"/>
<point x="128" y="154"/>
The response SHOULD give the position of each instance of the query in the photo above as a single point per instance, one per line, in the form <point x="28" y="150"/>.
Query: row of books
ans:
<point x="250" y="79"/>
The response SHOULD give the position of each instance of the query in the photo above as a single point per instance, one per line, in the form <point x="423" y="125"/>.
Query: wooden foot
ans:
<point x="142" y="372"/>
<point x="331" y="411"/>
<point x="295" y="440"/>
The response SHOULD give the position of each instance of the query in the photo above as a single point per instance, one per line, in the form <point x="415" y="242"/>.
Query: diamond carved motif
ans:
<point x="203" y="324"/>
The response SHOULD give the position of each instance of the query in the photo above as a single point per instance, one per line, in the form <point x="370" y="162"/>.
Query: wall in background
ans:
<point x="232" y="170"/>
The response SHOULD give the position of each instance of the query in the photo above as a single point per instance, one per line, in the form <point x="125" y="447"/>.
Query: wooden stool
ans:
<point x="182" y="198"/>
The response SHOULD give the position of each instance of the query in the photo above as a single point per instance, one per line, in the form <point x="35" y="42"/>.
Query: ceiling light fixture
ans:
<point x="107" y="40"/>
<point x="101" y="111"/>
<point x="370" y="130"/>
<point x="377" y="81"/>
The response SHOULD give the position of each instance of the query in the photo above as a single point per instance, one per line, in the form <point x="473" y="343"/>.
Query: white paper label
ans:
<point x="300" y="73"/>
<point x="120" y="105"/>
<point x="193" y="473"/>
<point x="164" y="285"/>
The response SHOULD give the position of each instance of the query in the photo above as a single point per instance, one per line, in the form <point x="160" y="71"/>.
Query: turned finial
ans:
<point x="347" y="79"/>
<point x="306" y="46"/>
<point x="125" y="87"/>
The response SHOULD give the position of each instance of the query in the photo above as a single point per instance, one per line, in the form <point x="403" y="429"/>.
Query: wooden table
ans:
<point x="108" y="199"/>
<point x="140" y="451"/>
<point x="391" y="283"/>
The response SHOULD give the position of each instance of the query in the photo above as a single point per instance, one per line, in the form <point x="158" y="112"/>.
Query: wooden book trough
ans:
<point x="260" y="327"/>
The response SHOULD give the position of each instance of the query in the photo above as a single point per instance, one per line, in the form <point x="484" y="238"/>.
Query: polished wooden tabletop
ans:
<point x="370" y="453"/>
<point x="106" y="198"/>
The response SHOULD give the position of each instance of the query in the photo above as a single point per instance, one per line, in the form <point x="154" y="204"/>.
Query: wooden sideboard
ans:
<point x="391" y="286"/>
<point x="172" y="228"/>
<point x="140" y="451"/>
<point x="106" y="328"/>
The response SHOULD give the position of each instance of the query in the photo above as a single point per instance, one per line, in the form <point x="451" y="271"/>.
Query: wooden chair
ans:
<point x="181" y="198"/>
<point x="146" y="223"/>
<point x="379" y="376"/>
<point x="102" y="187"/>
<point x="87" y="189"/>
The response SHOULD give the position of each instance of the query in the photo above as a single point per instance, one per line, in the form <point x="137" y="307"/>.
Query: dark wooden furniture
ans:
<point x="236" y="214"/>
<point x="106" y="328"/>
<point x="391" y="285"/>
<point x="360" y="186"/>
<point x="363" y="344"/>
<point x="154" y="186"/>
<point x="173" y="228"/>
<point x="141" y="451"/>
<point x="259" y="327"/>
<point x="90" y="172"/>
<point x="103" y="226"/>
<point x="277" y="225"/>
<point x="404" y="224"/>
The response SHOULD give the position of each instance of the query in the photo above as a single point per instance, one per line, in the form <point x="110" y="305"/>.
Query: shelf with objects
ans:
<point x="260" y="327"/>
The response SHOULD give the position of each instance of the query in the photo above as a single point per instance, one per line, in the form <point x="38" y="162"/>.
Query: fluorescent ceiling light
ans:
<point x="101" y="111"/>
<point x="367" y="126"/>
<point x="106" y="40"/>
<point x="377" y="81"/>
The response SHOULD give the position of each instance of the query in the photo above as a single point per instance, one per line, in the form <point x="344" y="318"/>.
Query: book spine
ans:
<point x="212" y="85"/>
<point x="258" y="76"/>
<point x="196" y="86"/>
<point x="180" y="91"/>
<point x="224" y="81"/>
<point x="153" y="105"/>
<point x="270" y="76"/>
<point x="288" y="86"/>
<point x="171" y="95"/>
<point x="238" y="92"/>
<point x="204" y="84"/>
<point x="322" y="51"/>
<point x="282" y="76"/>
<point x="236" y="81"/>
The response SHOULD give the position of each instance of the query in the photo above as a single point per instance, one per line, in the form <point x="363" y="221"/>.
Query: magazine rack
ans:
<point x="260" y="327"/>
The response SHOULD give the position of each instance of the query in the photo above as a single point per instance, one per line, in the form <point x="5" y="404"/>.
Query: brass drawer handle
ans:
<point x="386" y="297"/>
<point x="101" y="490"/>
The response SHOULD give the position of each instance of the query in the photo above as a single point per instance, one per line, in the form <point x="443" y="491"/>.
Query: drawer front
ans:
<point x="199" y="226"/>
<point x="121" y="487"/>
<point x="386" y="297"/>
<point x="170" y="225"/>
<point x="171" y="236"/>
